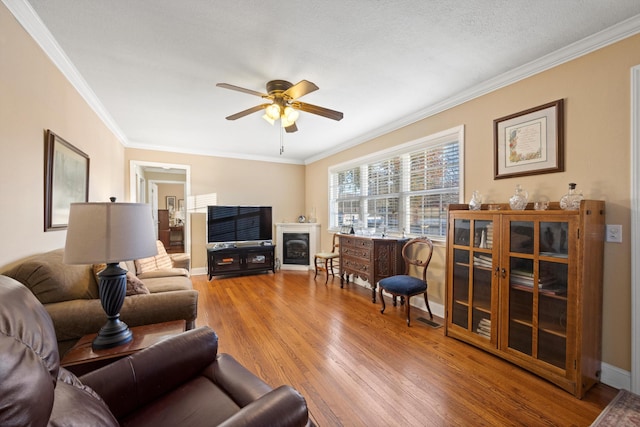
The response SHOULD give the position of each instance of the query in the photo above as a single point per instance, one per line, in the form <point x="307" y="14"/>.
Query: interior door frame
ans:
<point x="635" y="229"/>
<point x="135" y="166"/>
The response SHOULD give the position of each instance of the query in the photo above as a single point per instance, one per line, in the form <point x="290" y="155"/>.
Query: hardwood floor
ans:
<point x="357" y="367"/>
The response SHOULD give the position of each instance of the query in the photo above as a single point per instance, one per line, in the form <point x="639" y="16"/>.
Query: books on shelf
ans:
<point x="480" y="260"/>
<point x="489" y="236"/>
<point x="546" y="284"/>
<point x="484" y="328"/>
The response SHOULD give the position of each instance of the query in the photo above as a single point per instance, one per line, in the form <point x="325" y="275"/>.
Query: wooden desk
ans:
<point x="81" y="358"/>
<point x="370" y="258"/>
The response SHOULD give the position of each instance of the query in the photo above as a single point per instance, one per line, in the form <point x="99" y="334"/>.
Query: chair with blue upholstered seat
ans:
<point x="416" y="252"/>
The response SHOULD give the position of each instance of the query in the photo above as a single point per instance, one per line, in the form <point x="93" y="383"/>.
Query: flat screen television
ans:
<point x="238" y="223"/>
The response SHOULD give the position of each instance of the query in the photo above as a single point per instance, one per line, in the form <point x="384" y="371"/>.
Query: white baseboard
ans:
<point x="615" y="377"/>
<point x="199" y="271"/>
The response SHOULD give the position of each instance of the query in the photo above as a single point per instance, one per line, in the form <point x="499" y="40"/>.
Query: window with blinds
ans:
<point x="403" y="190"/>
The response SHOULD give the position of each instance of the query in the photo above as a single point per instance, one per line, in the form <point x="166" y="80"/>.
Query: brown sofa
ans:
<point x="70" y="294"/>
<point x="181" y="381"/>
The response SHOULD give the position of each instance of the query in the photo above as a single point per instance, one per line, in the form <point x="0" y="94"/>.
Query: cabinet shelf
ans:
<point x="532" y="288"/>
<point x="484" y="309"/>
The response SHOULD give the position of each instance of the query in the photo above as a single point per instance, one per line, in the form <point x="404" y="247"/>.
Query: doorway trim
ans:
<point x="134" y="165"/>
<point x="635" y="229"/>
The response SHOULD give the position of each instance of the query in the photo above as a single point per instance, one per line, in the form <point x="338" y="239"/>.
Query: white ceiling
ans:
<point x="150" y="67"/>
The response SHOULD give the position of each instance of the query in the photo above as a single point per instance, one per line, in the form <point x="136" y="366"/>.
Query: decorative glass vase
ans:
<point x="571" y="200"/>
<point x="518" y="201"/>
<point x="476" y="201"/>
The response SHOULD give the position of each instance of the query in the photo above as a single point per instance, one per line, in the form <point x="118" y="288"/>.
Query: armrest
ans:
<point x="181" y="260"/>
<point x="237" y="381"/>
<point x="282" y="407"/>
<point x="76" y="318"/>
<point x="142" y="377"/>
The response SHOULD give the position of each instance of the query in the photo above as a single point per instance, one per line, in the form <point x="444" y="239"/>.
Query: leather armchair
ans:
<point x="180" y="381"/>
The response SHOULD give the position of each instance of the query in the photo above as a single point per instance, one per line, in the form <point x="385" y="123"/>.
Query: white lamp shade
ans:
<point x="109" y="233"/>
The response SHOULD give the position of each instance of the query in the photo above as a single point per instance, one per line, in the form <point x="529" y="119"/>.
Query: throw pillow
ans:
<point x="134" y="285"/>
<point x="159" y="262"/>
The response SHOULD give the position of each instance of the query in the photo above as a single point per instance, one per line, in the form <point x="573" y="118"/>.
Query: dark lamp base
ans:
<point x="112" y="334"/>
<point x="113" y="288"/>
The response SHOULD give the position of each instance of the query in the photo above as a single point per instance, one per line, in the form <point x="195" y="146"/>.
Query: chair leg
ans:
<point x="408" y="311"/>
<point x="381" y="299"/>
<point x="326" y="270"/>
<point x="315" y="265"/>
<point x="426" y="301"/>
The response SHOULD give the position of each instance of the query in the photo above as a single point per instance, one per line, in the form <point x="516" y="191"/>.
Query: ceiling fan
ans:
<point x="285" y="104"/>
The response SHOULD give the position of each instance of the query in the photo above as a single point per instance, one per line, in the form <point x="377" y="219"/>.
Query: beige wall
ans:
<point x="596" y="90"/>
<point x="34" y="97"/>
<point x="164" y="190"/>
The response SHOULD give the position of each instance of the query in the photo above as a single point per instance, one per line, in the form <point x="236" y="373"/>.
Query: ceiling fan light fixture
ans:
<point x="286" y="122"/>
<point x="291" y="114"/>
<point x="268" y="119"/>
<point x="273" y="111"/>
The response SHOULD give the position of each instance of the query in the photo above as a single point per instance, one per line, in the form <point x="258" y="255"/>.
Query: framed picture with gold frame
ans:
<point x="530" y="142"/>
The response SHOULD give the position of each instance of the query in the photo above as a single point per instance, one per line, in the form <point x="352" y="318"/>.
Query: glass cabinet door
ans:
<point x="538" y="282"/>
<point x="472" y="280"/>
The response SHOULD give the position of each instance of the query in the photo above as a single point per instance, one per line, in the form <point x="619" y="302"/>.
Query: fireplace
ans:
<point x="296" y="244"/>
<point x="295" y="248"/>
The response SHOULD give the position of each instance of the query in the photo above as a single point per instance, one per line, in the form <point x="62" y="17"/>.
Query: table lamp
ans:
<point x="110" y="233"/>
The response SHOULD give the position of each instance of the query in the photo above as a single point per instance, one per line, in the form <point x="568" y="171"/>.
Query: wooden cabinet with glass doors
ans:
<point x="527" y="286"/>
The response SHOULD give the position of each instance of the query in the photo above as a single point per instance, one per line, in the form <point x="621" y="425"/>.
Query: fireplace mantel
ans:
<point x="313" y="229"/>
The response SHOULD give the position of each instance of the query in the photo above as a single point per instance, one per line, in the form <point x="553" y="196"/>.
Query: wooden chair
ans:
<point x="406" y="286"/>
<point x="324" y="261"/>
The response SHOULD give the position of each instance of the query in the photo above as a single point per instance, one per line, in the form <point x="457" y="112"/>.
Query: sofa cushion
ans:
<point x="162" y="261"/>
<point x="168" y="284"/>
<point x="169" y="272"/>
<point x="51" y="280"/>
<point x="200" y="401"/>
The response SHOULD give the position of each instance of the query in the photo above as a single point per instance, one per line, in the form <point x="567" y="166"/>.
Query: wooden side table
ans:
<point x="81" y="358"/>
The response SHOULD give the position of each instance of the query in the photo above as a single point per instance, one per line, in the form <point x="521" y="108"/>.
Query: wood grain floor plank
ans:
<point x="358" y="367"/>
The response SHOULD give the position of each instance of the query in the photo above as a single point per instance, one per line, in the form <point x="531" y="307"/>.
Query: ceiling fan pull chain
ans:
<point x="281" y="141"/>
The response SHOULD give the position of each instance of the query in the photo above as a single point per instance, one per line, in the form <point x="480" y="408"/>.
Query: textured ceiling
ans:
<point x="151" y="66"/>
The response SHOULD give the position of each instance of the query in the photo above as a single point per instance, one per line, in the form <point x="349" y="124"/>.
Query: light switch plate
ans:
<point x="614" y="233"/>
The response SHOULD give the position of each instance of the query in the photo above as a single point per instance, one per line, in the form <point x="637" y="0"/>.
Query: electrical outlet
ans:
<point x="614" y="233"/>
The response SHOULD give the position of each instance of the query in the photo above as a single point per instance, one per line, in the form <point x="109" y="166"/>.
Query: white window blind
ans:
<point x="199" y="202"/>
<point x="404" y="190"/>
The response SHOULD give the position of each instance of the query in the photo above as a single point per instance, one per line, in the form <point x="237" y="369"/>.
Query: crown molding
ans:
<point x="31" y="22"/>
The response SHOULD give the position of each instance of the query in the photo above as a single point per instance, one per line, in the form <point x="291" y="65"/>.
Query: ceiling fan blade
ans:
<point x="247" y="112"/>
<point x="320" y="111"/>
<point x="292" y="128"/>
<point x="299" y="89"/>
<point x="241" y="89"/>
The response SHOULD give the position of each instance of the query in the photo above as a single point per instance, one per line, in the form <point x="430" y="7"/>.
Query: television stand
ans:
<point x="240" y="260"/>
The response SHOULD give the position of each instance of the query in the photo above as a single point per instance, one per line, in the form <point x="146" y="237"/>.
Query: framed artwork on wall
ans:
<point x="66" y="180"/>
<point x="171" y="203"/>
<point x="530" y="142"/>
